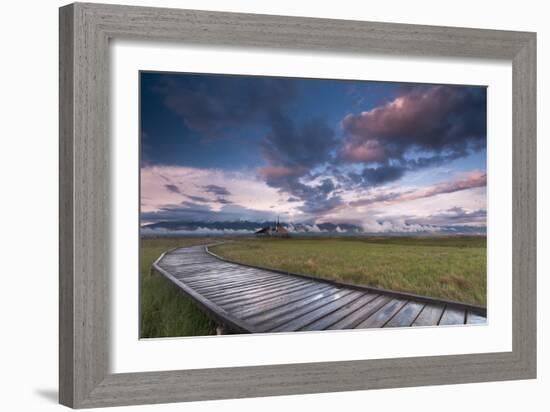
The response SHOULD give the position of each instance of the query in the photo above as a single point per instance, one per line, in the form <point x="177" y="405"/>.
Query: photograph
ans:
<point x="278" y="204"/>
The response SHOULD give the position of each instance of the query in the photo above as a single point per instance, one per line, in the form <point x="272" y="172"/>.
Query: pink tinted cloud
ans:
<point x="278" y="172"/>
<point x="365" y="152"/>
<point x="470" y="181"/>
<point x="439" y="118"/>
<point x="413" y="111"/>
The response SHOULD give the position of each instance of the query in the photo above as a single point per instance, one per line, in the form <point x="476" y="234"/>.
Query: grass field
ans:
<point x="452" y="268"/>
<point x="443" y="267"/>
<point x="164" y="311"/>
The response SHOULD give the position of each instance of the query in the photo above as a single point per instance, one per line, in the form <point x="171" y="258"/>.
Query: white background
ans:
<point x="28" y="355"/>
<point x="132" y="355"/>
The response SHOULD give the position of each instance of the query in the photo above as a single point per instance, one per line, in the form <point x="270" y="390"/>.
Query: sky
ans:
<point x="384" y="156"/>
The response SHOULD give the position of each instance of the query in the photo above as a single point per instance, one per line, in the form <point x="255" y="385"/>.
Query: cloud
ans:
<point x="146" y="231"/>
<point x="172" y="188"/>
<point x="375" y="176"/>
<point x="455" y="216"/>
<point x="303" y="146"/>
<point x="189" y="212"/>
<point x="207" y="191"/>
<point x="395" y="225"/>
<point x="292" y="152"/>
<point x="305" y="167"/>
<point x="472" y="180"/>
<point x="215" y="105"/>
<point x="199" y="199"/>
<point x="369" y="151"/>
<point x="316" y="198"/>
<point x="424" y="126"/>
<point x="211" y="104"/>
<point x="217" y="190"/>
<point x="434" y="119"/>
<point x="281" y="172"/>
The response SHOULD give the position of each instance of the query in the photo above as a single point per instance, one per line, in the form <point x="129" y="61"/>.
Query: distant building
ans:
<point x="276" y="230"/>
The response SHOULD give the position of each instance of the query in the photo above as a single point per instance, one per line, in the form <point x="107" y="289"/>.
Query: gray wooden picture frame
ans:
<point x="85" y="31"/>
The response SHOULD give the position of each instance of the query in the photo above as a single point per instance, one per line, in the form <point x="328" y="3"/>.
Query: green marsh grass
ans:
<point x="442" y="267"/>
<point x="164" y="311"/>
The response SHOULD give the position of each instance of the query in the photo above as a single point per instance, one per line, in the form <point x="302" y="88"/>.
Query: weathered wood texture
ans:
<point x="254" y="300"/>
<point x="85" y="34"/>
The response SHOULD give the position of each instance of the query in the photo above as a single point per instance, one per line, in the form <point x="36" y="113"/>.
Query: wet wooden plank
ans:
<point x="406" y="316"/>
<point x="383" y="315"/>
<point x="287" y="316"/>
<point x="227" y="294"/>
<point x="185" y="265"/>
<point x="341" y="313"/>
<point x="253" y="301"/>
<point x="353" y="319"/>
<point x="213" y="274"/>
<point x="287" y="301"/>
<point x="452" y="317"/>
<point x="267" y="293"/>
<point x="226" y="275"/>
<point x="216" y="285"/>
<point x="429" y="316"/>
<point x="212" y="281"/>
<point x="304" y="320"/>
<point x="229" y="287"/>
<point x="249" y="302"/>
<point x="473" y="319"/>
<point x="242" y="283"/>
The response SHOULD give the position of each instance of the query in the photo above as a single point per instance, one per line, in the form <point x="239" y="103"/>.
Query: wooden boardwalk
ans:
<point x="246" y="299"/>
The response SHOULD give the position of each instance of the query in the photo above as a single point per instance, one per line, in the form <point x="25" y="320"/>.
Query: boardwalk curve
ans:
<point x="246" y="299"/>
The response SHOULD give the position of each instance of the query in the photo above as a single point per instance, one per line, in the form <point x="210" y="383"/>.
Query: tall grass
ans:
<point x="443" y="267"/>
<point x="164" y="311"/>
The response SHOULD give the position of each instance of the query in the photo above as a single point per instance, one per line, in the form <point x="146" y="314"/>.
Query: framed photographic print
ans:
<point x="280" y="188"/>
<point x="375" y="184"/>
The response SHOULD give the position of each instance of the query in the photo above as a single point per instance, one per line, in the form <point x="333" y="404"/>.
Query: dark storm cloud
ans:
<point x="386" y="173"/>
<point x="210" y="104"/>
<point x="172" y="188"/>
<point x="292" y="152"/>
<point x="216" y="190"/>
<point x="190" y="212"/>
<point x="292" y="146"/>
<point x="374" y="176"/>
<point x="192" y="205"/>
<point x="199" y="199"/>
<point x="184" y="211"/>
<point x="317" y="198"/>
